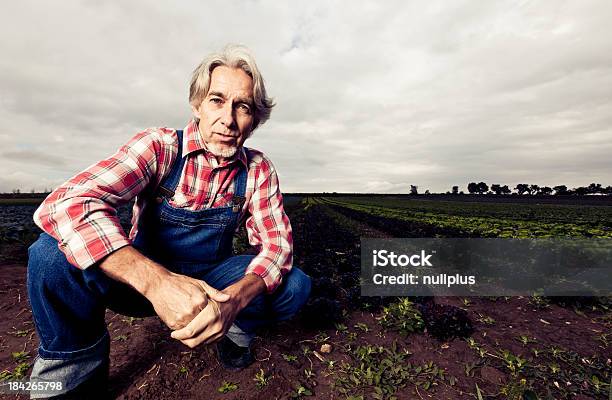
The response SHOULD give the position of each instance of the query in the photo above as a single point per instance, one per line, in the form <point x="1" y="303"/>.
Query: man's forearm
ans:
<point x="129" y="266"/>
<point x="246" y="289"/>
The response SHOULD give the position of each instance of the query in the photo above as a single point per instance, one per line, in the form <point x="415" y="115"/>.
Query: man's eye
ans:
<point x="216" y="100"/>
<point x="244" y="108"/>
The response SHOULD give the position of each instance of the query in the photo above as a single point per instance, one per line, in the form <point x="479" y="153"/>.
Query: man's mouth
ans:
<point x="227" y="135"/>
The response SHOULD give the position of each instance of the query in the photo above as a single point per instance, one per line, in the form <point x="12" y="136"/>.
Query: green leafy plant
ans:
<point x="309" y="373"/>
<point x="289" y="357"/>
<point x="18" y="373"/>
<point x="301" y="391"/>
<point x="402" y="316"/>
<point x="20" y="356"/>
<point x="261" y="379"/>
<point x="341" y="327"/>
<point x="227" y="387"/>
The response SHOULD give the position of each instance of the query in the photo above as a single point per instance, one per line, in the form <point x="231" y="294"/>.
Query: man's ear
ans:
<point x="196" y="111"/>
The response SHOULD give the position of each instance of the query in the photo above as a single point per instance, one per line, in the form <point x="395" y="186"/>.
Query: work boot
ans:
<point x="232" y="356"/>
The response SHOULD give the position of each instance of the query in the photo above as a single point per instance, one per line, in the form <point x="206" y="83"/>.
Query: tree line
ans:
<point x="533" y="190"/>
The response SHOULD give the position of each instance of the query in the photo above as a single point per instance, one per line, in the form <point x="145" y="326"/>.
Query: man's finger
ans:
<point x="214" y="293"/>
<point x="215" y="338"/>
<point x="197" y="325"/>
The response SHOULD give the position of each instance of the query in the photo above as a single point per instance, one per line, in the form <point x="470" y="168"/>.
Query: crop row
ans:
<point x="487" y="225"/>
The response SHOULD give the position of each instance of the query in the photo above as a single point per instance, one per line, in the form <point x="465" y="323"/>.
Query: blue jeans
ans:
<point x="69" y="304"/>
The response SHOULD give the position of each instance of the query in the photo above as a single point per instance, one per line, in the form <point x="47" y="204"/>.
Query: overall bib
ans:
<point x="69" y="304"/>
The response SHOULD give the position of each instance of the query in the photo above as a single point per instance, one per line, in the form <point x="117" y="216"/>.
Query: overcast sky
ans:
<point x="371" y="96"/>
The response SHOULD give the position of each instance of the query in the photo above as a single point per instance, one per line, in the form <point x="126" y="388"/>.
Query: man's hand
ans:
<point x="209" y="325"/>
<point x="177" y="299"/>
<point x="214" y="321"/>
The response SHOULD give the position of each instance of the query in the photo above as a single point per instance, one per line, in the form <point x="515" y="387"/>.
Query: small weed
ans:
<point x="20" y="333"/>
<point x="130" y="320"/>
<point x="554" y="368"/>
<point x="514" y="363"/>
<point x="261" y="379"/>
<point x="341" y="328"/>
<point x="227" y="387"/>
<point x="526" y="340"/>
<point x="121" y="338"/>
<point x="289" y="357"/>
<point x="538" y="302"/>
<point x="183" y="370"/>
<point x="604" y="339"/>
<point x="20" y="356"/>
<point x="402" y="316"/>
<point x="485" y="319"/>
<point x="309" y="373"/>
<point x="363" y="327"/>
<point x="466" y="302"/>
<point x="321" y="337"/>
<point x="18" y="373"/>
<point x="301" y="391"/>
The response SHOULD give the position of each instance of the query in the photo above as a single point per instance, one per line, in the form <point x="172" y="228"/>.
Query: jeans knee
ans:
<point x="48" y="267"/>
<point x="40" y="257"/>
<point x="298" y="287"/>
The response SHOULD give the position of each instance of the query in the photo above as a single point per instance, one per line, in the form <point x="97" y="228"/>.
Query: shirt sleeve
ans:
<point x="268" y="228"/>
<point x="81" y="213"/>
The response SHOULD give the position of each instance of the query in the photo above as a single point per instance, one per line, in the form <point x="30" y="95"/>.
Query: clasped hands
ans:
<point x="196" y="312"/>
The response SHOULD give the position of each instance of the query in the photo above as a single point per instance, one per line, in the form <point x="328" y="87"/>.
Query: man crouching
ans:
<point x="192" y="189"/>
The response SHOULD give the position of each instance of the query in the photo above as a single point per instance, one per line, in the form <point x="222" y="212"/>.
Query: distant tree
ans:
<point x="534" y="189"/>
<point x="595" y="188"/>
<point x="414" y="189"/>
<point x="482" y="187"/>
<point x="472" y="187"/>
<point x="546" y="190"/>
<point x="427" y="191"/>
<point x="522" y="188"/>
<point x="16" y="191"/>
<point x="581" y="190"/>
<point x="608" y="190"/>
<point x="455" y="189"/>
<point x="496" y="188"/>
<point x="560" y="190"/>
<point x="505" y="190"/>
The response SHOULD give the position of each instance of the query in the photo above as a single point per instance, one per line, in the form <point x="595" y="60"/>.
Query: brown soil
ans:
<point x="148" y="364"/>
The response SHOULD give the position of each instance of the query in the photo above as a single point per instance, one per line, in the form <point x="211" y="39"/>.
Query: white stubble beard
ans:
<point x="223" y="153"/>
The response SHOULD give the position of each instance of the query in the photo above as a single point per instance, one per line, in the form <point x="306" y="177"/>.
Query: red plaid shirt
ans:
<point x="81" y="214"/>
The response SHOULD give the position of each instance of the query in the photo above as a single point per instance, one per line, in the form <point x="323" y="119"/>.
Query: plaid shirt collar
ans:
<point x="195" y="143"/>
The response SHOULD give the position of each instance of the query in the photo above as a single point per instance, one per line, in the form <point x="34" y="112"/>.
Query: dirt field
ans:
<point x="518" y="346"/>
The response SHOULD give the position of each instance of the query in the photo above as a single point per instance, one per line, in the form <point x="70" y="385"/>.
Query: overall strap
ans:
<point x="240" y="186"/>
<point x="168" y="184"/>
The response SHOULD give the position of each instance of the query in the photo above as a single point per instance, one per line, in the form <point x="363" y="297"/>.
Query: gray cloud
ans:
<point x="373" y="97"/>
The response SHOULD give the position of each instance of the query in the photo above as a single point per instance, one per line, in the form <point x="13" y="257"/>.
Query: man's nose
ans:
<point x="227" y="115"/>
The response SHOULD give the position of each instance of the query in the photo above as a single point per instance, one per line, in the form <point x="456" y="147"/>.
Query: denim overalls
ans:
<point x="69" y="304"/>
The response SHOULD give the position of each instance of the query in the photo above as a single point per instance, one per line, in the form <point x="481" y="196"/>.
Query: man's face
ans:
<point x="226" y="113"/>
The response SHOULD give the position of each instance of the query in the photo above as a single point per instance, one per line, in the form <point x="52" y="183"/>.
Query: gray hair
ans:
<point x="233" y="56"/>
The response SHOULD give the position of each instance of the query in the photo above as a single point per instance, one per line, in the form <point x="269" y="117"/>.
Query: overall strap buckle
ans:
<point x="163" y="193"/>
<point x="237" y="203"/>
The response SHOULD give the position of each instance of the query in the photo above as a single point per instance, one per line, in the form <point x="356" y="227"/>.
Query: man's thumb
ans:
<point x="215" y="294"/>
